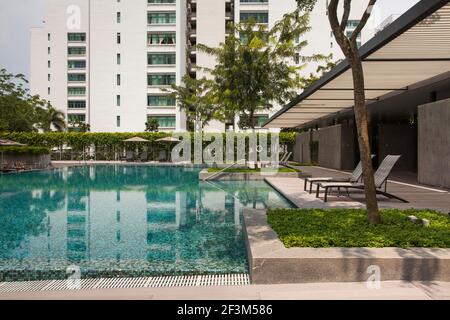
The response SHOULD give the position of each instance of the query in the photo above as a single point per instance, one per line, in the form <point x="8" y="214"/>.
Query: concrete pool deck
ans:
<point x="402" y="184"/>
<point x="389" y="290"/>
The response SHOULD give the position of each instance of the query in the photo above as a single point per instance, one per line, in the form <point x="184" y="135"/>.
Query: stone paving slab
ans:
<point x="402" y="184"/>
<point x="389" y="290"/>
<point x="293" y="189"/>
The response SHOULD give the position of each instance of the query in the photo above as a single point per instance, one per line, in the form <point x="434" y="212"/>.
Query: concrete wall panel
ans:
<point x="434" y="144"/>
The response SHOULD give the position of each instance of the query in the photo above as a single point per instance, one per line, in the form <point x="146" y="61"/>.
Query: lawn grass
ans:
<point x="247" y="170"/>
<point x="318" y="228"/>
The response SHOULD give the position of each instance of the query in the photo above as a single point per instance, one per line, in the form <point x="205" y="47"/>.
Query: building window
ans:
<point x="165" y="121"/>
<point x="161" y="38"/>
<point x="119" y="17"/>
<point x="76" y="104"/>
<point x="353" y="23"/>
<point x="76" y="51"/>
<point x="48" y="50"/>
<point x="76" y="91"/>
<point x="161" y="79"/>
<point x="49" y="77"/>
<point x="260" y="120"/>
<point x="76" y="117"/>
<point x="118" y="80"/>
<point x="48" y="36"/>
<point x="119" y="58"/>
<point x="297" y="58"/>
<point x="76" y="37"/>
<point x="76" y="64"/>
<point x="118" y="100"/>
<point x="259" y="17"/>
<point x="119" y="39"/>
<point x="161" y="18"/>
<point x="49" y="90"/>
<point x="161" y="101"/>
<point x="76" y="77"/>
<point x="161" y="58"/>
<point x="118" y="121"/>
<point x="49" y="64"/>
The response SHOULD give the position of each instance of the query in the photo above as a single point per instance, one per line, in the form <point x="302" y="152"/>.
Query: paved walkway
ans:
<point x="419" y="196"/>
<point x="391" y="290"/>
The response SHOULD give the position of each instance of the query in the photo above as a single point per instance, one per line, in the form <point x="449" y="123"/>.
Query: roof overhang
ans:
<point x="414" y="48"/>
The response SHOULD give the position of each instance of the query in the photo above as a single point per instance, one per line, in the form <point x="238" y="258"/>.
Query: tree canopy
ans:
<point x="255" y="68"/>
<point x="196" y="99"/>
<point x="21" y="111"/>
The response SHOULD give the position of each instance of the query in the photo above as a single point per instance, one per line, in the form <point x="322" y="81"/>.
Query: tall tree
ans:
<point x="195" y="98"/>
<point x="254" y="66"/>
<point x="349" y="47"/>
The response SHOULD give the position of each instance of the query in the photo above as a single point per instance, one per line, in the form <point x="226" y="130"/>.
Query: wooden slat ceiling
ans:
<point x="420" y="52"/>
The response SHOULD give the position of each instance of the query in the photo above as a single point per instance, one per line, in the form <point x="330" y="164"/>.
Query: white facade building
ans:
<point x="106" y="62"/>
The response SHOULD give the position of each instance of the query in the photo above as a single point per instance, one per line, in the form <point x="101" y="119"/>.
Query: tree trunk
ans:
<point x="252" y="120"/>
<point x="351" y="52"/>
<point x="373" y="214"/>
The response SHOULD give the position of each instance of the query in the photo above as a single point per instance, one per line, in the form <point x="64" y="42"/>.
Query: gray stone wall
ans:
<point x="434" y="143"/>
<point x="330" y="141"/>
<point x="301" y="148"/>
<point x="30" y="161"/>
<point x="336" y="147"/>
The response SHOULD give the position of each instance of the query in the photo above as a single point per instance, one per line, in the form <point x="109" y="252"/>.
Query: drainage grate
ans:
<point x="122" y="283"/>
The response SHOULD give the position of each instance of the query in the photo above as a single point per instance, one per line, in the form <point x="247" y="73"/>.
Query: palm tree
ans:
<point x="151" y="125"/>
<point x="53" y="117"/>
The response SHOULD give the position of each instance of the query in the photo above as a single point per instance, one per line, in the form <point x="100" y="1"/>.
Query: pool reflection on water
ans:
<point x="121" y="220"/>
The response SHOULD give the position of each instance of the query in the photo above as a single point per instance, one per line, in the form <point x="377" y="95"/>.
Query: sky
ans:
<point x="17" y="17"/>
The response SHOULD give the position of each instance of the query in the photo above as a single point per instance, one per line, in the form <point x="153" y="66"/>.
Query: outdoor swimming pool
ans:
<point x="120" y="220"/>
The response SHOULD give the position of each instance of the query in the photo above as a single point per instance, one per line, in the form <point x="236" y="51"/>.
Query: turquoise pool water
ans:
<point x="114" y="220"/>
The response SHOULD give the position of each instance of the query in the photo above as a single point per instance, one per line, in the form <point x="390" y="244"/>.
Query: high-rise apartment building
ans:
<point x="107" y="62"/>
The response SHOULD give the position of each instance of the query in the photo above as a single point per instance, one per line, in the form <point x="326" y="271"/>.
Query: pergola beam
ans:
<point x="367" y="89"/>
<point x="411" y="50"/>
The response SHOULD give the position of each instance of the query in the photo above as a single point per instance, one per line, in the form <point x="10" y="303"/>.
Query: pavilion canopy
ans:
<point x="414" y="48"/>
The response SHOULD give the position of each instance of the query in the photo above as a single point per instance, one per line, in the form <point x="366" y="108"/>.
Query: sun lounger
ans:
<point x="355" y="177"/>
<point x="381" y="177"/>
<point x="130" y="156"/>
<point x="144" y="157"/>
<point x="162" y="156"/>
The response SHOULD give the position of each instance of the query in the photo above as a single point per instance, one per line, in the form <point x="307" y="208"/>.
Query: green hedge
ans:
<point x="80" y="140"/>
<point x="107" y="146"/>
<point x="25" y="150"/>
